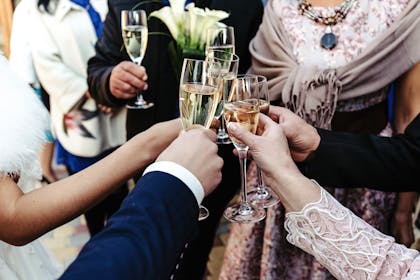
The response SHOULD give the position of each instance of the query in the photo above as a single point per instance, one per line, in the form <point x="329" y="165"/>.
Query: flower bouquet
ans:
<point x="188" y="27"/>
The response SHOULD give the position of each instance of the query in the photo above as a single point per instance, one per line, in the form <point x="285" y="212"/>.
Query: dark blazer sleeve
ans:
<point x="352" y="160"/>
<point x="144" y="239"/>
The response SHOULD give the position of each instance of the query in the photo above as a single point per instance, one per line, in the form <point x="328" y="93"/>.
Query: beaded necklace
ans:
<point x="328" y="40"/>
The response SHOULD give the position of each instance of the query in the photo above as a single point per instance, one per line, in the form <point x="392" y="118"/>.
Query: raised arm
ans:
<point x="24" y="217"/>
<point x="317" y="223"/>
<point x="348" y="159"/>
<point x="145" y="237"/>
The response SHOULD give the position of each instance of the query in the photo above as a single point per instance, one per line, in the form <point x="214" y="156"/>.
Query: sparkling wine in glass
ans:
<point x="262" y="195"/>
<point x="221" y="39"/>
<point x="198" y="97"/>
<point x="134" y="33"/>
<point x="229" y="70"/>
<point x="242" y="107"/>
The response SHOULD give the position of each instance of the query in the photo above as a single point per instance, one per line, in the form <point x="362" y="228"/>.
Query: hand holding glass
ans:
<point x="198" y="97"/>
<point x="262" y="196"/>
<point x="134" y="33"/>
<point x="242" y="107"/>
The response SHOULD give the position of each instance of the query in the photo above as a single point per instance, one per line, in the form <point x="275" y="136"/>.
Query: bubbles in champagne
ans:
<point x="135" y="41"/>
<point x="244" y="113"/>
<point x="197" y="104"/>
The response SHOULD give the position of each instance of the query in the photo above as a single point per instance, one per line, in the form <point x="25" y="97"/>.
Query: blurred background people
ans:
<point x="21" y="62"/>
<point x="62" y="38"/>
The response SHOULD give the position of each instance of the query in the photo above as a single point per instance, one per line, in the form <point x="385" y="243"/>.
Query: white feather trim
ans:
<point x="23" y="122"/>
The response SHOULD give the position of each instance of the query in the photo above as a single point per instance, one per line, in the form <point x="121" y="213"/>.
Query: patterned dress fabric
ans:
<point x="261" y="251"/>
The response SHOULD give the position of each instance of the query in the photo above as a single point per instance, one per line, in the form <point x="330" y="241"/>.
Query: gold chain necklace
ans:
<point x="328" y="40"/>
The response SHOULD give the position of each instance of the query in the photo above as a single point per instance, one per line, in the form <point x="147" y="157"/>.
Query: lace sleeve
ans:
<point x="348" y="246"/>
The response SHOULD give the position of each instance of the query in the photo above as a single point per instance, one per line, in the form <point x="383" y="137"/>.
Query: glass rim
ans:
<point x="235" y="58"/>
<point x="137" y="10"/>
<point x="220" y="28"/>
<point x="260" y="78"/>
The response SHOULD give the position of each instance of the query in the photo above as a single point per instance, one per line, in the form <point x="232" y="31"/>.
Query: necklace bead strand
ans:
<point x="328" y="40"/>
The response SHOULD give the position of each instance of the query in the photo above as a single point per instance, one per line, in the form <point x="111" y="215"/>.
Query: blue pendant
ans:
<point x="329" y="41"/>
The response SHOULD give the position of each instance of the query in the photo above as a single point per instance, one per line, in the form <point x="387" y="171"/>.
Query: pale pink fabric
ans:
<point x="366" y="19"/>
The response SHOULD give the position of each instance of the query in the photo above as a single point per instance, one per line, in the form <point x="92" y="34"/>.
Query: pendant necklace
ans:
<point x="328" y="40"/>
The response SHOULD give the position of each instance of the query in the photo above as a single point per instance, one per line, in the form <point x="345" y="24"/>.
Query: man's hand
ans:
<point x="196" y="150"/>
<point x="127" y="79"/>
<point x="303" y="138"/>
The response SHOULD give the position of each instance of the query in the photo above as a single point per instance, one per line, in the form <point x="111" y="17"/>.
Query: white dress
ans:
<point x="23" y="121"/>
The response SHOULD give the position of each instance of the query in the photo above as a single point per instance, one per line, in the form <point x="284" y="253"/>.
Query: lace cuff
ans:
<point x="345" y="244"/>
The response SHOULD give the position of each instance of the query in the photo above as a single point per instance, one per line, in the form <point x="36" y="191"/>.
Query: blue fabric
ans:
<point x="145" y="237"/>
<point x="75" y="163"/>
<point x="93" y="14"/>
<point x="166" y="2"/>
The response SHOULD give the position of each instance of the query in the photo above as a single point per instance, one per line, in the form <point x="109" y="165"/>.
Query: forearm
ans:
<point x="145" y="236"/>
<point x="345" y="244"/>
<point x="287" y="181"/>
<point x="26" y="217"/>
<point x="352" y="160"/>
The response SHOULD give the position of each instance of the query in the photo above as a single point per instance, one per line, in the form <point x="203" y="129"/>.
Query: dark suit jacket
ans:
<point x="363" y="160"/>
<point x="144" y="239"/>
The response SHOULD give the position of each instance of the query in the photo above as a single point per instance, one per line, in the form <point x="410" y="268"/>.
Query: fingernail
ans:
<point x="146" y="87"/>
<point x="232" y="126"/>
<point x="144" y="78"/>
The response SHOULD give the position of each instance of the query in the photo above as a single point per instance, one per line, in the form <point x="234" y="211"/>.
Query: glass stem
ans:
<point x="222" y="125"/>
<point x="242" y="162"/>
<point x="260" y="186"/>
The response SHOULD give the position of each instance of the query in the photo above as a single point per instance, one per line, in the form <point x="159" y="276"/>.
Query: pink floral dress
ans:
<point x="261" y="251"/>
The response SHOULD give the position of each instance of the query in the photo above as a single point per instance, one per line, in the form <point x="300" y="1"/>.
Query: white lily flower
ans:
<point x="221" y="15"/>
<point x="188" y="25"/>
<point x="178" y="6"/>
<point x="166" y="15"/>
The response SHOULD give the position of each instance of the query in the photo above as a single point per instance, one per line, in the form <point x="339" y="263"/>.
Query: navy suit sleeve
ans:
<point x="144" y="239"/>
<point x="352" y="160"/>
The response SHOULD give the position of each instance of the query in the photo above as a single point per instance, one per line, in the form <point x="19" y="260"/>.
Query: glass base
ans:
<point x="203" y="213"/>
<point x="139" y="103"/>
<point x="244" y="214"/>
<point x="263" y="197"/>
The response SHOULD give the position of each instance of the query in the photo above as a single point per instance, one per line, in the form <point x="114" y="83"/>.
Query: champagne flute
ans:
<point x="229" y="70"/>
<point x="134" y="33"/>
<point x="242" y="107"/>
<point x="221" y="39"/>
<point x="262" y="195"/>
<point x="198" y="97"/>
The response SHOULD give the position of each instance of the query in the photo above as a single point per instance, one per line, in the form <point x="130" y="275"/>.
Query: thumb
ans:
<point x="241" y="133"/>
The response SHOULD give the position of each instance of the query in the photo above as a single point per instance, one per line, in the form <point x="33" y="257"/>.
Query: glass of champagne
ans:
<point x="198" y="97"/>
<point x="134" y="33"/>
<point x="229" y="70"/>
<point x="221" y="39"/>
<point x="262" y="195"/>
<point x="242" y="107"/>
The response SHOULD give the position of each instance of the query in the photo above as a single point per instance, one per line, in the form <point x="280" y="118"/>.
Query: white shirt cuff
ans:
<point x="182" y="174"/>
